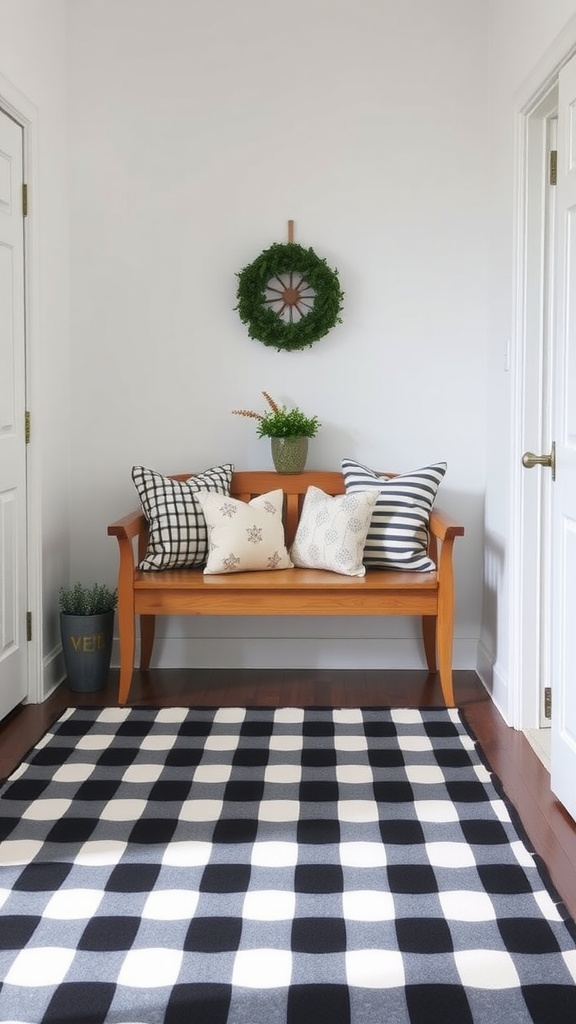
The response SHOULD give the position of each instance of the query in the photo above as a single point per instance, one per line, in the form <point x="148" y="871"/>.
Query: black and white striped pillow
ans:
<point x="178" y="536"/>
<point x="398" y="533"/>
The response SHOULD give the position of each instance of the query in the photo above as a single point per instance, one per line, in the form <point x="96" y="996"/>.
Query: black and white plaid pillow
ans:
<point x="398" y="533"/>
<point x="178" y="537"/>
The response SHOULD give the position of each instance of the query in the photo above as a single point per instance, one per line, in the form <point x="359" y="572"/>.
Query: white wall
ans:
<point x="33" y="73"/>
<point x="523" y="32"/>
<point x="197" y="130"/>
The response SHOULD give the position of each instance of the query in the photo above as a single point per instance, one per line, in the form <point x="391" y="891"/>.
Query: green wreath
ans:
<point x="304" y="284"/>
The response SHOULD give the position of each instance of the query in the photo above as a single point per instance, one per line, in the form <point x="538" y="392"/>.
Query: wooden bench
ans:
<point x="286" y="591"/>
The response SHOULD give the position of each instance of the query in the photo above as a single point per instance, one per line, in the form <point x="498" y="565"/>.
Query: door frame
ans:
<point x="530" y="427"/>
<point x="21" y="110"/>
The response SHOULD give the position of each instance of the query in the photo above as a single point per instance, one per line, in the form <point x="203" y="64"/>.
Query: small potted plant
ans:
<point x="288" y="430"/>
<point x="86" y="628"/>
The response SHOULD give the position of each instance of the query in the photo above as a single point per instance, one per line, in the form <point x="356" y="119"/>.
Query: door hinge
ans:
<point x="553" y="166"/>
<point x="24" y="199"/>
<point x="27" y="427"/>
<point x="547" y="702"/>
<point x="28" y="625"/>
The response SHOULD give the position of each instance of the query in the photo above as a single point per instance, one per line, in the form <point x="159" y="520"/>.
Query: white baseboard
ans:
<point x="494" y="681"/>
<point x="301" y="653"/>
<point x="53" y="672"/>
<point x="285" y="652"/>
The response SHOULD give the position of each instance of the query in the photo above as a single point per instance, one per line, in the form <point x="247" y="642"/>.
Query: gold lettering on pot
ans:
<point x="96" y="642"/>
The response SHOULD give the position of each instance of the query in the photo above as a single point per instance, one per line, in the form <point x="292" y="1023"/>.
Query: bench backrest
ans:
<point x="247" y="484"/>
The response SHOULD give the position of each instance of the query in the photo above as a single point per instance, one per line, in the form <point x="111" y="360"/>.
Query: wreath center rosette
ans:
<point x="289" y="297"/>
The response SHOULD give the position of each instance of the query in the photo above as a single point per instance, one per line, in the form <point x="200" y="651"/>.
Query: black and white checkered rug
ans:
<point x="271" y="866"/>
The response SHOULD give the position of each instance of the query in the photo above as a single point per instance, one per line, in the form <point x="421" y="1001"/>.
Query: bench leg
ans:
<point x="147" y="629"/>
<point x="444" y="646"/>
<point x="126" y="637"/>
<point x="429" y="639"/>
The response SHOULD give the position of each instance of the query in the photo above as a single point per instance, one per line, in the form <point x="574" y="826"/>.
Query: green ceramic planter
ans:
<point x="289" y="454"/>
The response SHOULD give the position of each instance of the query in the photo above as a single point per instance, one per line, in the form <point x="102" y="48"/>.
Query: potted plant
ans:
<point x="288" y="430"/>
<point x="86" y="628"/>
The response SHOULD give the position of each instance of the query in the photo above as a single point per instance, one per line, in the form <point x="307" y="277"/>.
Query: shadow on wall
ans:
<point x="494" y="558"/>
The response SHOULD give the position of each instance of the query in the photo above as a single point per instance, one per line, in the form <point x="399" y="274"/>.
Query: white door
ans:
<point x="563" y="609"/>
<point x="13" y="563"/>
<point x="533" y="491"/>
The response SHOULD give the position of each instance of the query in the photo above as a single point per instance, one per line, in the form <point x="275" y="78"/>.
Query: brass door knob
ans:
<point x="529" y="460"/>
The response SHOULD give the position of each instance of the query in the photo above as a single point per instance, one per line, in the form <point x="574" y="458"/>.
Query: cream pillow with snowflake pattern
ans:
<point x="244" y="536"/>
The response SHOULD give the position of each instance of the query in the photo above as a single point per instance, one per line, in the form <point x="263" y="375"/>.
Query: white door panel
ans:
<point x="13" y="571"/>
<point x="564" y="495"/>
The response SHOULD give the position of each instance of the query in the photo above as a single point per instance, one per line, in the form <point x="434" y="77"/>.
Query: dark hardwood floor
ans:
<point x="525" y="780"/>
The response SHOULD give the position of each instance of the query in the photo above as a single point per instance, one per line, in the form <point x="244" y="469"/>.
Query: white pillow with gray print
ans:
<point x="332" y="531"/>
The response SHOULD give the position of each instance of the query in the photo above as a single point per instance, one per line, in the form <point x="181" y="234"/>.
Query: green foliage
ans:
<point x="287" y="423"/>
<point x="265" y="324"/>
<point x="278" y="421"/>
<point x="78" y="599"/>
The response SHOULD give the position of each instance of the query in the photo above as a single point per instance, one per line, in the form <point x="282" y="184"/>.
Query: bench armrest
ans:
<point x="129" y="526"/>
<point x="443" y="527"/>
<point x="132" y="526"/>
<point x="443" y="533"/>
